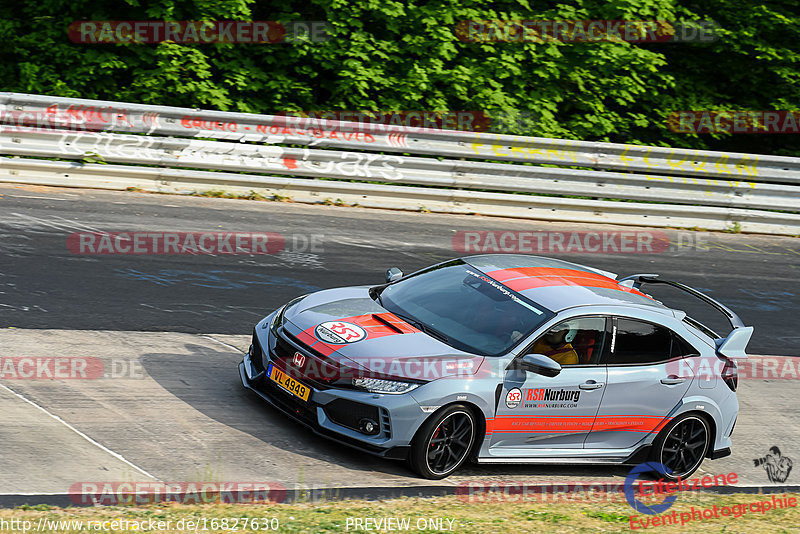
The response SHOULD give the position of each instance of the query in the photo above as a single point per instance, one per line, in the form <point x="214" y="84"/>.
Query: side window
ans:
<point x="682" y="349"/>
<point x="639" y="342"/>
<point x="577" y="341"/>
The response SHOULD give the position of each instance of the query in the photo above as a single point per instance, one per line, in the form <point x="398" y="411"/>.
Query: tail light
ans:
<point x="730" y="374"/>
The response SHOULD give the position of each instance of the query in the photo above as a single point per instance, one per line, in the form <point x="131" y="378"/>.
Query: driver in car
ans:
<point x="556" y="344"/>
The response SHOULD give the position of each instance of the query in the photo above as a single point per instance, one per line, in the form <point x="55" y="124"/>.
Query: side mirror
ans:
<point x="393" y="274"/>
<point x="540" y="364"/>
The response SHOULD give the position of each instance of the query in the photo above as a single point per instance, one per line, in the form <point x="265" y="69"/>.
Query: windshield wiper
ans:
<point x="375" y="293"/>
<point x="424" y="328"/>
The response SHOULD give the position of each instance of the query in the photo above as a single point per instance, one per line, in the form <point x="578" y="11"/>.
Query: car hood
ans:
<point x="347" y="326"/>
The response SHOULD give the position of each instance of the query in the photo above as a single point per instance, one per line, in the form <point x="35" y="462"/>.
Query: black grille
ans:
<point x="284" y="351"/>
<point x="319" y="373"/>
<point x="348" y="413"/>
<point x="306" y="348"/>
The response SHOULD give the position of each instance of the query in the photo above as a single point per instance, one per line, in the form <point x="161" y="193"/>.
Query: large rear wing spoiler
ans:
<point x="734" y="344"/>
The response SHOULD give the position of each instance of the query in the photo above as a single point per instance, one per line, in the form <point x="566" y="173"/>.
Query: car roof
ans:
<point x="558" y="284"/>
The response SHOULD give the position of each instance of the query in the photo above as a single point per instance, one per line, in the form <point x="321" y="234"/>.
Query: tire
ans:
<point x="443" y="442"/>
<point x="682" y="446"/>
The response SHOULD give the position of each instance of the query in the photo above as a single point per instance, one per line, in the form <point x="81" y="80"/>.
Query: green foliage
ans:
<point x="734" y="228"/>
<point x="611" y="517"/>
<point x="404" y="55"/>
<point x="93" y="157"/>
<point x="36" y="507"/>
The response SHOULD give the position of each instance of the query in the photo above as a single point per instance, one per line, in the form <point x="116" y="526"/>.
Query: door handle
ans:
<point x="591" y="385"/>
<point x="672" y="380"/>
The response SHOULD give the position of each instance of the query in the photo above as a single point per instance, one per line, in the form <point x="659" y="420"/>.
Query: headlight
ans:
<point x="376" y="385"/>
<point x="277" y="319"/>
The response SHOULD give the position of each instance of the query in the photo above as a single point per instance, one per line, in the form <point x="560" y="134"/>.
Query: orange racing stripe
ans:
<point x="522" y="278"/>
<point x="371" y="326"/>
<point x="508" y="424"/>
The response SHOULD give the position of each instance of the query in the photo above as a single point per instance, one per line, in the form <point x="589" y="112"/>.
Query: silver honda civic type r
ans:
<point x="503" y="358"/>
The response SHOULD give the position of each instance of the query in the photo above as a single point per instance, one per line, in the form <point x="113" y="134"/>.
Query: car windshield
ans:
<point x="464" y="308"/>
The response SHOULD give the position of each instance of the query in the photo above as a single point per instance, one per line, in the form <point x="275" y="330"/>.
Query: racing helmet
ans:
<point x="570" y="326"/>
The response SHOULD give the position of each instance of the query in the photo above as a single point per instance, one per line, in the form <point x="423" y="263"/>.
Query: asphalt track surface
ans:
<point x="44" y="285"/>
<point x="170" y="407"/>
<point x="171" y="329"/>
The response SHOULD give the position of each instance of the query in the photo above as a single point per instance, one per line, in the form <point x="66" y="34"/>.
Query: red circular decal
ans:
<point x="339" y="332"/>
<point x="513" y="398"/>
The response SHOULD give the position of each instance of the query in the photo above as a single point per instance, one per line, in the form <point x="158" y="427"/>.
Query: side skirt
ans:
<point x="585" y="456"/>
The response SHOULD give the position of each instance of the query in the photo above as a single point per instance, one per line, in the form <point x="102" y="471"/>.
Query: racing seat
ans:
<point x="584" y="344"/>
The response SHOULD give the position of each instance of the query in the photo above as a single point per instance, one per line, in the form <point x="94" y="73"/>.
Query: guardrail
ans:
<point x="172" y="149"/>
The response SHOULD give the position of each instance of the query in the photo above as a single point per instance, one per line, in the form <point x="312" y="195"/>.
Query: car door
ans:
<point x="642" y="386"/>
<point x="538" y="412"/>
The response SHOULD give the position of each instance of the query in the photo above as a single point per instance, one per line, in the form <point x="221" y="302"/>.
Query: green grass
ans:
<point x="598" y="514"/>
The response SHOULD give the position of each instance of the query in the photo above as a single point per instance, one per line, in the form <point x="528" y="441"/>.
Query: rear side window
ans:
<point x="639" y="342"/>
<point x="682" y="349"/>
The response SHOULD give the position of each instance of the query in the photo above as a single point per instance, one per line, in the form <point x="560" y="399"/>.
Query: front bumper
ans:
<point x="721" y="453"/>
<point x="398" y="453"/>
<point x="398" y="416"/>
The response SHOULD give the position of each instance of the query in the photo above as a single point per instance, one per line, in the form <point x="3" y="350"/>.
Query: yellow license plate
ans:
<point x="289" y="384"/>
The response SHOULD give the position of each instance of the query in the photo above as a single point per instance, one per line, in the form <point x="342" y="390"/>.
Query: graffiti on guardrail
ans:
<point x="717" y="184"/>
<point x="268" y="156"/>
<point x="310" y="129"/>
<point x="362" y="126"/>
<point x="674" y="161"/>
<point x="99" y="146"/>
<point x="83" y="118"/>
<point x="350" y="164"/>
<point x="394" y="130"/>
<point x="146" y="148"/>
